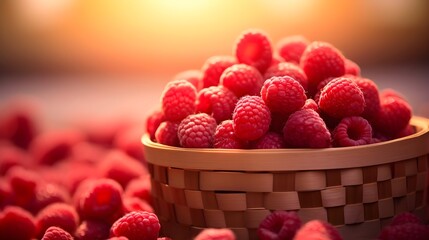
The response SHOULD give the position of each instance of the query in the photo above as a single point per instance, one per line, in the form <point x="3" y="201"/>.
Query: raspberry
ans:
<point x="351" y="68"/>
<point x="291" y="48"/>
<point x="404" y="218"/>
<point x="317" y="229"/>
<point x="388" y="92"/>
<point x="215" y="234"/>
<point x="192" y="76"/>
<point x="217" y="101"/>
<point x="283" y="94"/>
<point x="213" y="69"/>
<point x="371" y="96"/>
<point x="56" y="233"/>
<point x="47" y="194"/>
<point x="139" y="187"/>
<point x="242" y="80"/>
<point x="6" y="194"/>
<point x="276" y="60"/>
<point x="178" y="100"/>
<point x="92" y="230"/>
<point x="279" y="225"/>
<point x="11" y="156"/>
<point x="167" y="134"/>
<point x="23" y="183"/>
<point x="16" y="223"/>
<point x="59" y="215"/>
<point x="153" y="121"/>
<point x="253" y="47"/>
<point x="132" y="204"/>
<point x="341" y="97"/>
<point x="352" y="131"/>
<point x="271" y="140"/>
<point x="197" y="130"/>
<point x="105" y="132"/>
<point x="319" y="61"/>
<point x="129" y="141"/>
<point x="306" y="129"/>
<point x="287" y="69"/>
<point x="311" y="104"/>
<point x="251" y="118"/>
<point x="394" y="115"/>
<point x="137" y="225"/>
<point x="224" y="137"/>
<point x="407" y="231"/>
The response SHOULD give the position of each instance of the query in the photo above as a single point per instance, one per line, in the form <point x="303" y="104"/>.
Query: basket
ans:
<point x="356" y="189"/>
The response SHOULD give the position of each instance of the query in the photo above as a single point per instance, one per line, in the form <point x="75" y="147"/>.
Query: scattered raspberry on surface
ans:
<point x="407" y="231"/>
<point x="47" y="193"/>
<point x="242" y="80"/>
<point x="59" y="215"/>
<point x="215" y="234"/>
<point x="317" y="229"/>
<point x="197" y="131"/>
<point x="279" y="225"/>
<point x="11" y="156"/>
<point x="271" y="140"/>
<point x="341" y="97"/>
<point x="253" y="47"/>
<point x="217" y="101"/>
<point x="371" y="96"/>
<point x="193" y="76"/>
<point x="92" y="230"/>
<point x="23" y="183"/>
<point x="251" y="118"/>
<point x="283" y="95"/>
<point x="224" y="137"/>
<point x="104" y="131"/>
<point x="56" y="233"/>
<point x="394" y="115"/>
<point x="213" y="69"/>
<point x="352" y="68"/>
<point x="352" y="131"/>
<point x="153" y="121"/>
<point x="287" y="69"/>
<point x="178" y="100"/>
<point x="306" y="129"/>
<point x="129" y="141"/>
<point x="139" y="187"/>
<point x="292" y="47"/>
<point x="137" y="225"/>
<point x="16" y="223"/>
<point x="404" y="218"/>
<point x="167" y="134"/>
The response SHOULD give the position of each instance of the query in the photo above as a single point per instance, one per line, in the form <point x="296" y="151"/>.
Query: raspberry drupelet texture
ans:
<point x="59" y="215"/>
<point x="405" y="217"/>
<point x="279" y="225"/>
<point x="56" y="233"/>
<point x="217" y="101"/>
<point x="287" y="69"/>
<point x="197" y="131"/>
<point x="215" y="234"/>
<point x="371" y="96"/>
<point x="352" y="68"/>
<point x="341" y="97"/>
<point x="251" y="118"/>
<point x="178" y="100"/>
<point x="137" y="225"/>
<point x="16" y="223"/>
<point x="213" y="69"/>
<point x="193" y="76"/>
<point x="253" y="47"/>
<point x="393" y="117"/>
<point x="271" y="140"/>
<point x="92" y="230"/>
<point x="352" y="131"/>
<point x="291" y="48"/>
<point x="153" y="121"/>
<point x="317" y="229"/>
<point x="283" y="95"/>
<point x="306" y="129"/>
<point x="224" y="137"/>
<point x="405" y="231"/>
<point x="167" y="133"/>
<point x="242" y="80"/>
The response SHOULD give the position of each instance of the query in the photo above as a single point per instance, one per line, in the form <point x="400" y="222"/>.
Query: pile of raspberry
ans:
<point x="296" y="94"/>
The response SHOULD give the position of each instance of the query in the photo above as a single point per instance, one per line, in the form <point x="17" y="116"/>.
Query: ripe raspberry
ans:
<point x="59" y="215"/>
<point x="407" y="231"/>
<point x="92" y="230"/>
<point x="271" y="140"/>
<point x="242" y="80"/>
<point x="371" y="96"/>
<point x="213" y="69"/>
<point x="319" y="61"/>
<point x="394" y="115"/>
<point x="404" y="218"/>
<point x="153" y="121"/>
<point x="253" y="48"/>
<point x="311" y="104"/>
<point x="291" y="48"/>
<point x="47" y="194"/>
<point x="104" y="132"/>
<point x="306" y="129"/>
<point x="317" y="229"/>
<point x="167" y="134"/>
<point x="16" y="223"/>
<point x="137" y="226"/>
<point x="197" y="131"/>
<point x="279" y="225"/>
<point x="23" y="183"/>
<point x="11" y="156"/>
<point x="178" y="100"/>
<point x="139" y="187"/>
<point x="132" y="204"/>
<point x="6" y="194"/>
<point x="217" y="101"/>
<point x="56" y="233"/>
<point x="251" y="118"/>
<point x="129" y="141"/>
<point x="192" y="76"/>
<point x="352" y="131"/>
<point x="388" y="92"/>
<point x="341" y="97"/>
<point x="283" y="94"/>
<point x="287" y="69"/>
<point x="215" y="234"/>
<point x="276" y="60"/>
<point x="352" y="68"/>
<point x="224" y="137"/>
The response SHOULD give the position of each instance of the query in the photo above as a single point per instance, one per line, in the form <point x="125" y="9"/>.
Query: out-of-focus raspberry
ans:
<point x="213" y="69"/>
<point x="104" y="131"/>
<point x="224" y="137"/>
<point x="279" y="225"/>
<point x="59" y="215"/>
<point x="242" y="80"/>
<point x="271" y="140"/>
<point x="137" y="225"/>
<point x="132" y="204"/>
<point x="197" y="131"/>
<point x="287" y="69"/>
<point x="167" y="134"/>
<point x="56" y="233"/>
<point x="140" y="188"/>
<point x="394" y="115"/>
<point x="47" y="193"/>
<point x="352" y="68"/>
<point x="129" y="141"/>
<point x="352" y="131"/>
<point x="178" y="100"/>
<point x="23" y="183"/>
<point x="317" y="229"/>
<point x="6" y="194"/>
<point x="152" y="122"/>
<point x="217" y="101"/>
<point x="17" y="224"/>
<point x="193" y="76"/>
<point x="291" y="48"/>
<point x="215" y="234"/>
<point x="371" y="96"/>
<point x="92" y="230"/>
<point x="10" y="156"/>
<point x="407" y="131"/>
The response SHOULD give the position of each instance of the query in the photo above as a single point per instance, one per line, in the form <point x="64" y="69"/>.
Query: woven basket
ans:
<point x="357" y="189"/>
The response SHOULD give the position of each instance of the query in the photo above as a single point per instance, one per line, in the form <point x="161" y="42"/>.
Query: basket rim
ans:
<point x="292" y="159"/>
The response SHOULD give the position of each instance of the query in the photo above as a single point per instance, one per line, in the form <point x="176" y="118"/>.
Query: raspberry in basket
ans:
<point x="224" y="137"/>
<point x="352" y="131"/>
<point x="242" y="80"/>
<point x="393" y="117"/>
<point x="279" y="225"/>
<point x="137" y="225"/>
<point x="271" y="140"/>
<point x="215" y="234"/>
<point x="371" y="96"/>
<point x="56" y="233"/>
<point x="58" y="214"/>
<point x="213" y="69"/>
<point x="291" y="48"/>
<point x="217" y="101"/>
<point x="16" y="223"/>
<point x="317" y="229"/>
<point x="178" y="100"/>
<point x="287" y="69"/>
<point x="153" y="121"/>
<point x="167" y="134"/>
<point x="197" y="131"/>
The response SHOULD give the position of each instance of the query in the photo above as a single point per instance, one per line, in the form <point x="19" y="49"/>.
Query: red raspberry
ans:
<point x="59" y="215"/>
<point x="104" y="132"/>
<point x="319" y="61"/>
<point x="224" y="137"/>
<point x="6" y="194"/>
<point x="407" y="131"/>
<point x="317" y="229"/>
<point x="352" y="131"/>
<point x="137" y="225"/>
<point x="306" y="129"/>
<point x="371" y="96"/>
<point x="253" y="48"/>
<point x="251" y="118"/>
<point x="283" y="94"/>
<point x="167" y="134"/>
<point x="394" y="115"/>
<point x="291" y="48"/>
<point x="92" y="230"/>
<point x="197" y="131"/>
<point x="56" y="233"/>
<point x="311" y="104"/>
<point x="279" y="225"/>
<point x="276" y="60"/>
<point x="213" y="69"/>
<point x="23" y="183"/>
<point x="271" y="140"/>
<point x="404" y="218"/>
<point x="118" y="238"/>
<point x="178" y="100"/>
<point x="217" y="101"/>
<point x="215" y="234"/>
<point x="388" y="92"/>
<point x="47" y="194"/>
<point x="129" y="141"/>
<point x="16" y="223"/>
<point x="139" y="187"/>
<point x="242" y="80"/>
<point x="192" y="76"/>
<point x="287" y="69"/>
<point x="11" y="156"/>
<point x="352" y="68"/>
<point x="407" y="231"/>
<point x="341" y="97"/>
<point x="132" y="204"/>
<point x="153" y="121"/>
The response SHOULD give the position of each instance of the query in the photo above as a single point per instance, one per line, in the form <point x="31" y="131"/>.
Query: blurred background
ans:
<point x="106" y="58"/>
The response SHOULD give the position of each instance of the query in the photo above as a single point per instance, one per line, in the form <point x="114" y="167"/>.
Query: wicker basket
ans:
<point x="357" y="189"/>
